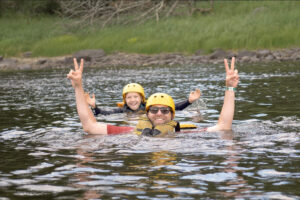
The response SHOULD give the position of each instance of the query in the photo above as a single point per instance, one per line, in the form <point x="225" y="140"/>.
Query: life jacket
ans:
<point x="145" y="127"/>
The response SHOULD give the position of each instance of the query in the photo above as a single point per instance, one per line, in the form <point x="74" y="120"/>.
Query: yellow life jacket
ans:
<point x="188" y="126"/>
<point x="145" y="127"/>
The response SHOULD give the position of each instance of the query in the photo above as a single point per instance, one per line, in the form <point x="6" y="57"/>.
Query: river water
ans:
<point x="45" y="154"/>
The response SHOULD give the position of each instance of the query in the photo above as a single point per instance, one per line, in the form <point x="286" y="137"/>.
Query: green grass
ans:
<point x="232" y="25"/>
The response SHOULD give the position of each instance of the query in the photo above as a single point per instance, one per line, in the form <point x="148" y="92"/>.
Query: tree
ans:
<point x="105" y="12"/>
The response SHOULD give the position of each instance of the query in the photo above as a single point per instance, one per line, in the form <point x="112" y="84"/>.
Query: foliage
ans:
<point x="105" y="12"/>
<point x="29" y="7"/>
<point x="231" y="25"/>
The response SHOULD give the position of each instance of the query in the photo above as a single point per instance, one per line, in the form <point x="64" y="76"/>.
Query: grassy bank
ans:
<point x="232" y="25"/>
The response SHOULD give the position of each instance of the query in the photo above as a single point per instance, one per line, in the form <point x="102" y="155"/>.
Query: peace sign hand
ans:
<point x="232" y="76"/>
<point x="76" y="76"/>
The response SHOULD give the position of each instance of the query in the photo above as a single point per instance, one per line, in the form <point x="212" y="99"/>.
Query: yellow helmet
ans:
<point x="134" y="87"/>
<point x="162" y="99"/>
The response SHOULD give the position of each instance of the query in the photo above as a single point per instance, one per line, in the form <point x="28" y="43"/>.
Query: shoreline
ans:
<point x="98" y="58"/>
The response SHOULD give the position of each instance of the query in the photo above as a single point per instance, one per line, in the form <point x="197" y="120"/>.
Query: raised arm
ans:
<point x="227" y="112"/>
<point x="88" y="121"/>
<point x="194" y="95"/>
<point x="96" y="110"/>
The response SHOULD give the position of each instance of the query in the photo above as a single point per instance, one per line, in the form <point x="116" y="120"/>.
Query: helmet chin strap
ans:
<point x="149" y="118"/>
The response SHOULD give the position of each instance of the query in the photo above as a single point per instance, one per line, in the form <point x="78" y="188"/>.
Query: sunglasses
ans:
<point x="163" y="110"/>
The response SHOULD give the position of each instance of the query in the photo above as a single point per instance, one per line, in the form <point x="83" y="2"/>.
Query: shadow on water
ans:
<point x="46" y="155"/>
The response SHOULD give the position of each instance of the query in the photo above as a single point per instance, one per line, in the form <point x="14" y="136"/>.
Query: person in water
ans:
<point x="160" y="108"/>
<point x="134" y="101"/>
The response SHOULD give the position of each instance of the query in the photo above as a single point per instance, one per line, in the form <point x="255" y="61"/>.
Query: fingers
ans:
<point x="75" y="63"/>
<point x="237" y="77"/>
<point x="236" y="72"/>
<point x="81" y="65"/>
<point x="194" y="95"/>
<point x="226" y="65"/>
<point x="231" y="66"/>
<point x="70" y="74"/>
<point x="93" y="95"/>
<point x="232" y="63"/>
<point x="198" y="91"/>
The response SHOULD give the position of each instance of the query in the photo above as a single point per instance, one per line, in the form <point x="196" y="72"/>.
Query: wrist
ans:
<point x="230" y="89"/>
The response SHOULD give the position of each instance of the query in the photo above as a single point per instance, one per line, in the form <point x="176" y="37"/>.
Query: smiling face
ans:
<point x="133" y="100"/>
<point x="158" y="114"/>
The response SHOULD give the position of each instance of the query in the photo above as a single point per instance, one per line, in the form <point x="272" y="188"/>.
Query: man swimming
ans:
<point x="158" y="113"/>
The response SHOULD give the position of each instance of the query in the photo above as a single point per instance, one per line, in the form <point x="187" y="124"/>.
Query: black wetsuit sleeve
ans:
<point x="182" y="105"/>
<point x="98" y="111"/>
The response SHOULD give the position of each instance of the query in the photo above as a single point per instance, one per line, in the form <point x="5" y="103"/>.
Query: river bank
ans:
<point x="98" y="58"/>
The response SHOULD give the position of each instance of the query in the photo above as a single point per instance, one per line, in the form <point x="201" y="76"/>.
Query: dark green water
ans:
<point x="46" y="155"/>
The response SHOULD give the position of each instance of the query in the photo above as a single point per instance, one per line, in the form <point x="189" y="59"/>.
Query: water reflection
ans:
<point x="238" y="186"/>
<point x="46" y="155"/>
<point x="83" y="173"/>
